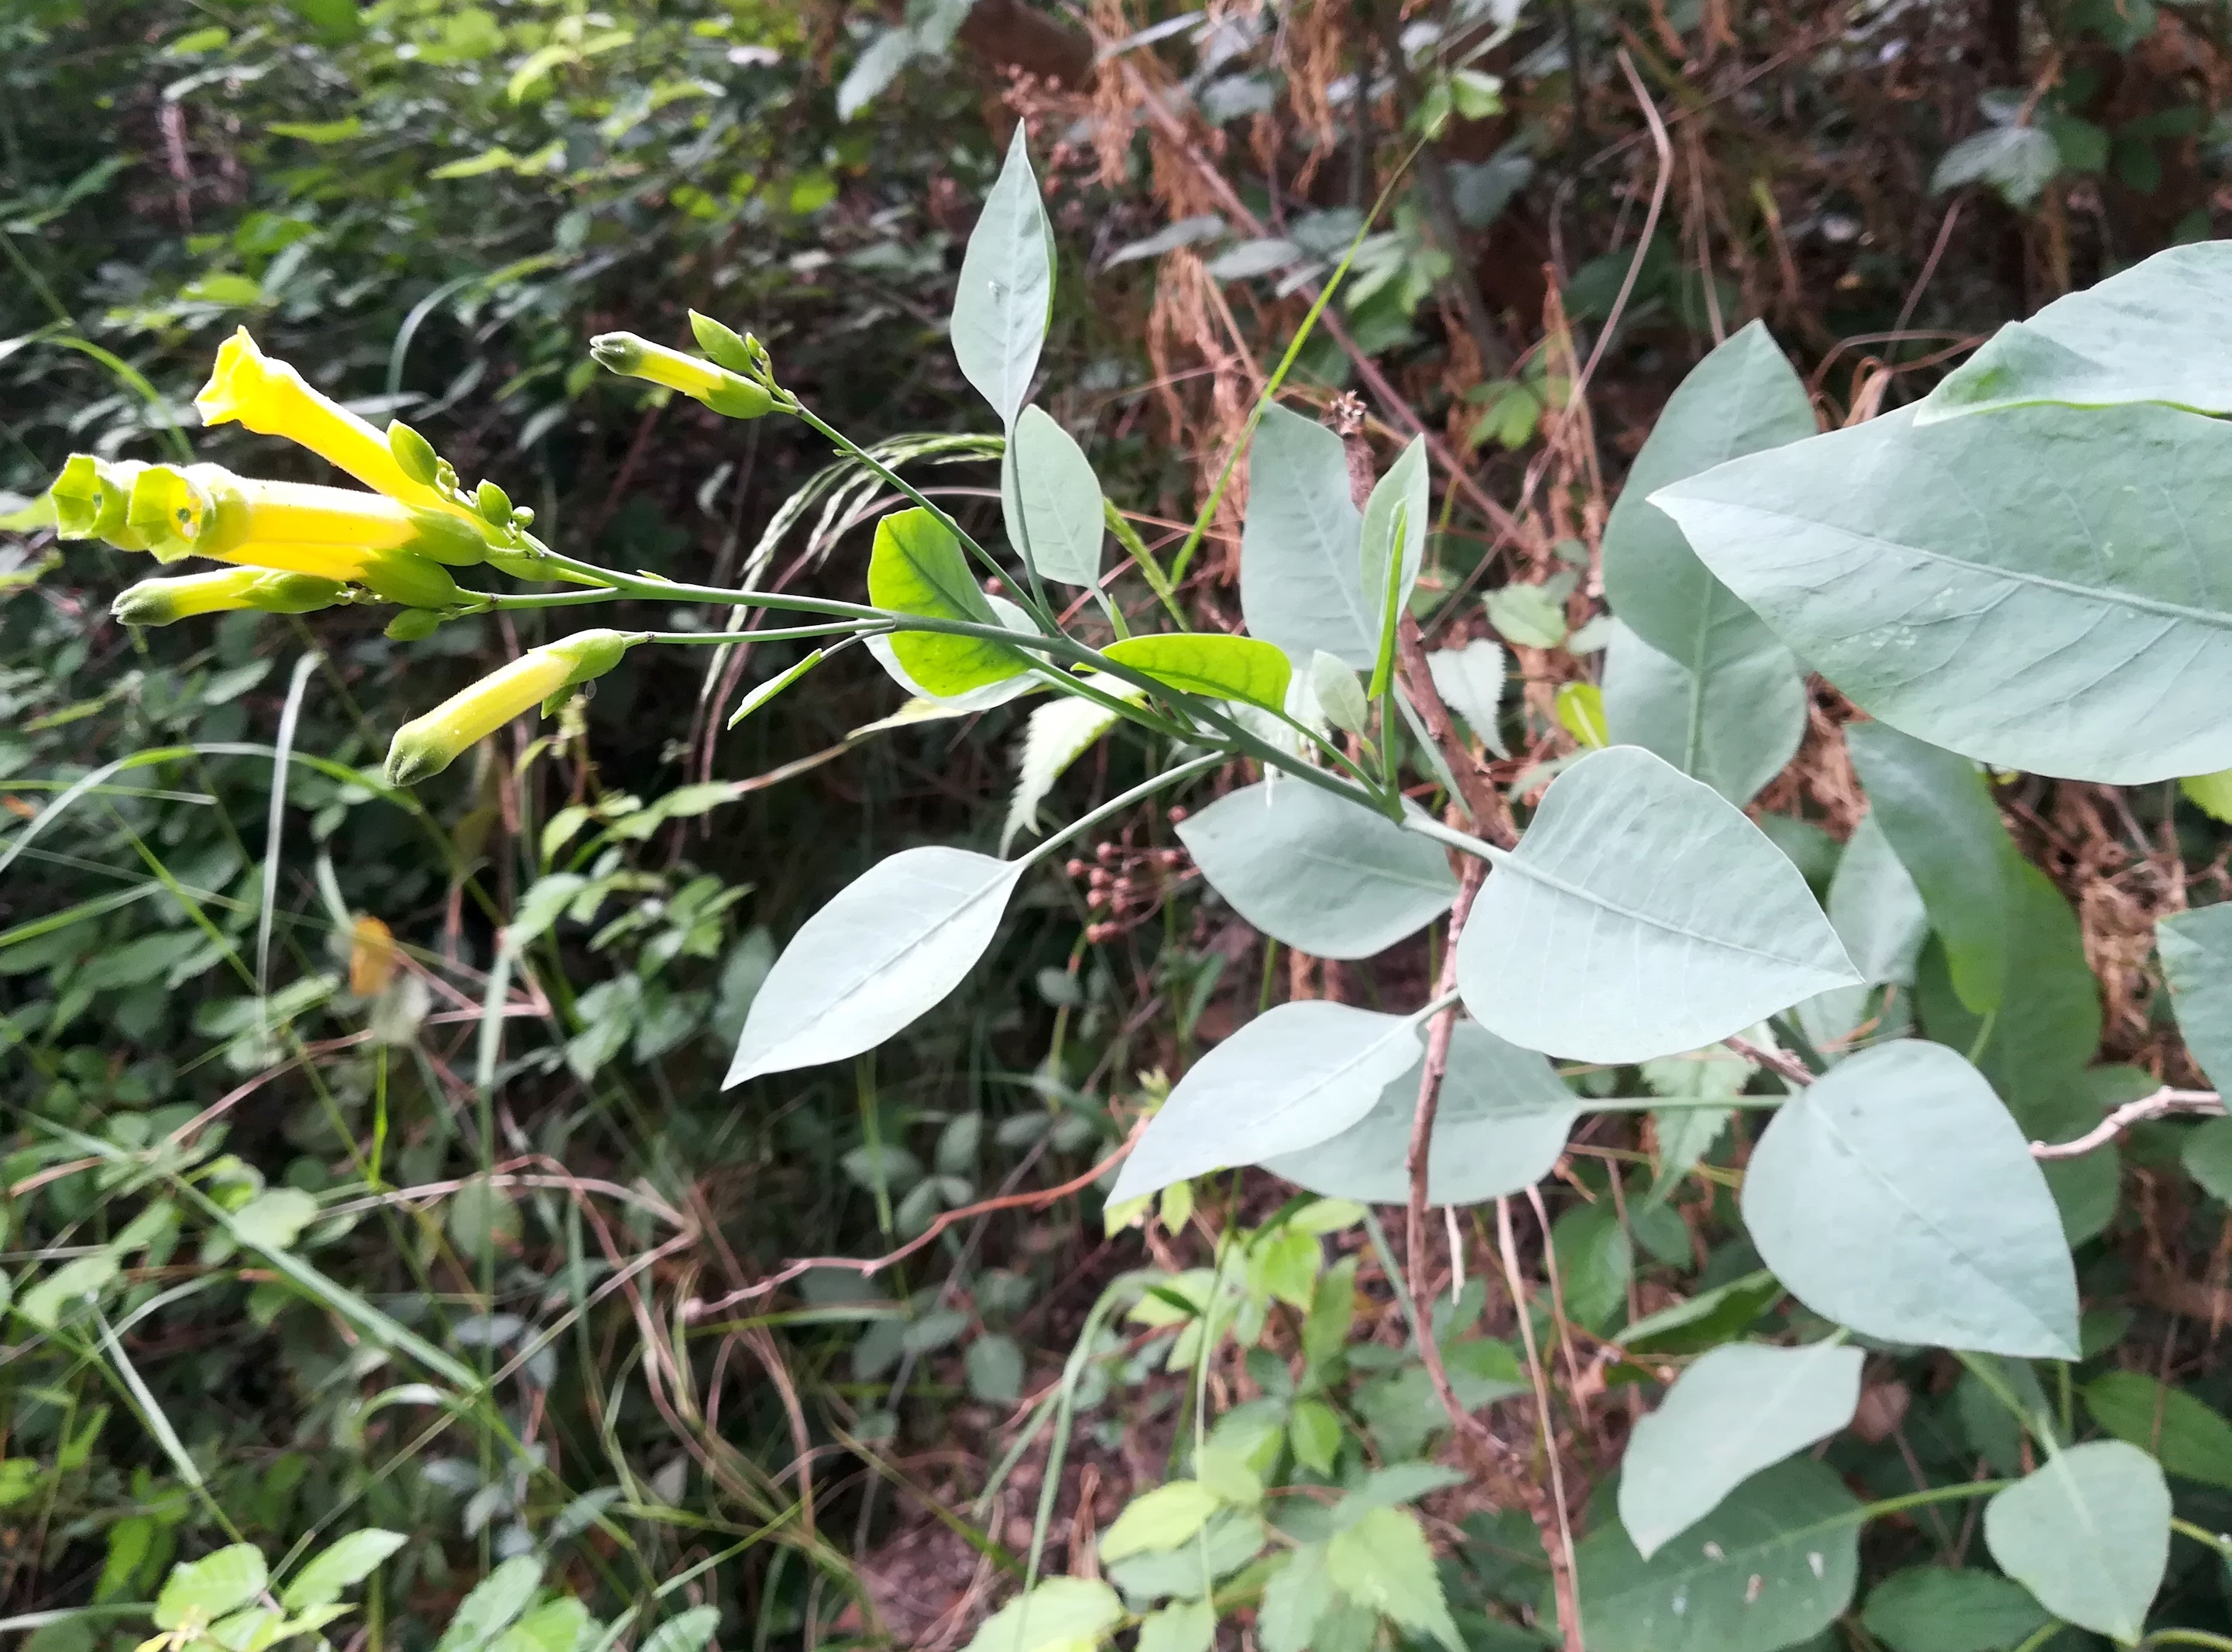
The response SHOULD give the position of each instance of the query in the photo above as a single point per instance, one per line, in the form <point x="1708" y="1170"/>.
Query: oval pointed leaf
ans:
<point x="2187" y="1437"/>
<point x="1006" y="292"/>
<point x="1773" y="1564"/>
<point x="2088" y="1533"/>
<point x="1301" y="584"/>
<point x="338" y="1566"/>
<point x="892" y="943"/>
<point x="1739" y="1409"/>
<point x="926" y="705"/>
<point x="1742" y="398"/>
<point x="1502" y="1121"/>
<point x="1641" y="915"/>
<point x="2149" y="333"/>
<point x="1736" y="728"/>
<point x="1291" y="1078"/>
<point x="1220" y="667"/>
<point x="2197" y="956"/>
<point x="1401" y="502"/>
<point x="1943" y="1609"/>
<point x="917" y="567"/>
<point x="1898" y="1196"/>
<point x="1938" y="815"/>
<point x="1328" y="876"/>
<point x="1051" y="501"/>
<point x="2004" y="587"/>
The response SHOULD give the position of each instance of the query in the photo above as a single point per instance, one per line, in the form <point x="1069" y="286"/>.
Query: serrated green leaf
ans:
<point x="1184" y="1626"/>
<point x="1159" y="1518"/>
<point x="1298" y="1595"/>
<point x="337" y="1566"/>
<point x="1058" y="733"/>
<point x="492" y="1605"/>
<point x="274" y="1219"/>
<point x="690" y="1631"/>
<point x="211" y="1586"/>
<point x="2187" y="1437"/>
<point x="1470" y="681"/>
<point x="1382" y="1561"/>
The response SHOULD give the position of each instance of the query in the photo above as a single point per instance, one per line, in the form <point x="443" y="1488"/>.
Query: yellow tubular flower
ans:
<point x="91" y="497"/>
<point x="273" y="399"/>
<point x="727" y="393"/>
<point x="206" y="510"/>
<point x="160" y="602"/>
<point x="427" y="745"/>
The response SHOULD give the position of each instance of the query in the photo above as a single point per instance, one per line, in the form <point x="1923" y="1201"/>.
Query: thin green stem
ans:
<point x="2216" y="1540"/>
<point x="2187" y="1637"/>
<point x="1035" y="603"/>
<point x="1118" y="804"/>
<point x="1934" y="1494"/>
<point x="2038" y="1637"/>
<point x="843" y="628"/>
<point x="1278" y="377"/>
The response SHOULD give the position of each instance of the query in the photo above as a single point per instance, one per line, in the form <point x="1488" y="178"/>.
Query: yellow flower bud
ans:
<point x="91" y="497"/>
<point x="271" y="398"/>
<point x="729" y="394"/>
<point x="427" y="745"/>
<point x="160" y="602"/>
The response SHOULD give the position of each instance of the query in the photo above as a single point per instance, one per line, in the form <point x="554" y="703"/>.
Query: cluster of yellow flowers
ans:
<point x="296" y="546"/>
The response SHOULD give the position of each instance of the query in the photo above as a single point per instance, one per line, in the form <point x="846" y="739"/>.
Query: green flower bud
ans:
<point x="414" y="454"/>
<point x="415" y="581"/>
<point x="725" y="392"/>
<point x="427" y="745"/>
<point x="161" y="602"/>
<point x="414" y="624"/>
<point x="92" y="497"/>
<point x="495" y="505"/>
<point x="722" y="344"/>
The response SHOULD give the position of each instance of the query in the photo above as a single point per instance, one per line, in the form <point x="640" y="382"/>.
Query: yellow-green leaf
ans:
<point x="917" y="567"/>
<point x="1581" y="709"/>
<point x="1223" y="668"/>
<point x="1158" y="1519"/>
<point x="2211" y="794"/>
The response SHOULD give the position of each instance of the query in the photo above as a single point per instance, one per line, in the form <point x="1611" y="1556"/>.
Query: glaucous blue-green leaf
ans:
<point x="2004" y="587"/>
<point x="917" y="567"/>
<point x="1735" y="727"/>
<point x="2197" y="956"/>
<point x="2187" y="1437"/>
<point x="2148" y="334"/>
<point x="1739" y="1409"/>
<point x="1006" y="293"/>
<point x="1293" y="1076"/>
<point x="891" y="944"/>
<point x="1641" y="915"/>
<point x="1394" y="545"/>
<point x="1951" y="1608"/>
<point x="1301" y="581"/>
<point x="1774" y="1563"/>
<point x="1211" y="663"/>
<point x="1470" y="681"/>
<point x="2088" y="1533"/>
<point x="1057" y="1615"/>
<point x="1877" y="913"/>
<point x="1939" y="817"/>
<point x="1328" y="876"/>
<point x="1898" y="1196"/>
<point x="1742" y="398"/>
<point x="1340" y="694"/>
<point x="1051" y="500"/>
<point x="1501" y="1122"/>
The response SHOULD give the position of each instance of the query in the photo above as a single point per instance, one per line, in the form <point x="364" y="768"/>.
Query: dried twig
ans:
<point x="1438" y="1032"/>
<point x="2161" y="1103"/>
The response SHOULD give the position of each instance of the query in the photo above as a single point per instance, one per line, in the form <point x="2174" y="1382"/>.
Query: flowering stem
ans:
<point x="845" y="628"/>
